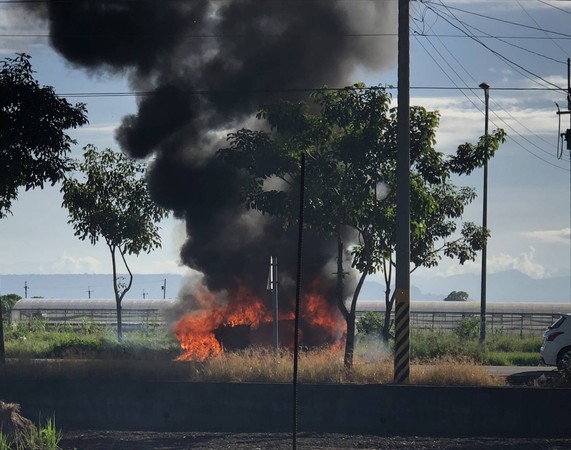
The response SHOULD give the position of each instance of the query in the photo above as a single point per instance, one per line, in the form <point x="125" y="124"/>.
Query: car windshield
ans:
<point x="558" y="323"/>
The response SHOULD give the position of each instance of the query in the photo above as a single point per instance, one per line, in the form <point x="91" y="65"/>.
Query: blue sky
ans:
<point x="529" y="187"/>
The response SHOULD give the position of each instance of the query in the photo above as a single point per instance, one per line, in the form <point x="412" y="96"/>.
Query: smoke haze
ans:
<point x="206" y="67"/>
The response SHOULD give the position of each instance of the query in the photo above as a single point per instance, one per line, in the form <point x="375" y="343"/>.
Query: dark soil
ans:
<point x="129" y="440"/>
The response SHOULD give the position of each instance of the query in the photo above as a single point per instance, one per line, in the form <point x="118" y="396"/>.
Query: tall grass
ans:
<point x="326" y="366"/>
<point x="47" y="437"/>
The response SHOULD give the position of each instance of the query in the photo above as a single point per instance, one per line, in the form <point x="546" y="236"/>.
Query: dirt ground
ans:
<point x="129" y="440"/>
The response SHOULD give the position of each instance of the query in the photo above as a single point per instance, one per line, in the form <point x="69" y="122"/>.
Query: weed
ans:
<point x="49" y="435"/>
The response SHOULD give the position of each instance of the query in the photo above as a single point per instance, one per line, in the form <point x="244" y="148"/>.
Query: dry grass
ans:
<point x="15" y="429"/>
<point x="326" y="366"/>
<point x="261" y="366"/>
<point x="448" y="371"/>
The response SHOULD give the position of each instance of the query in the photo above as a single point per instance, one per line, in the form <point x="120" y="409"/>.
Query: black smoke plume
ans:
<point x="207" y="66"/>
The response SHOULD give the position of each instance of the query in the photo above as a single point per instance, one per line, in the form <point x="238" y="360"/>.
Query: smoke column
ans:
<point x="207" y="67"/>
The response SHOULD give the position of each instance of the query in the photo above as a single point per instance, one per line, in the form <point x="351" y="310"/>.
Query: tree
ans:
<point x="33" y="144"/>
<point x="112" y="203"/>
<point x="457" y="296"/>
<point x="371" y="322"/>
<point x="350" y="140"/>
<point x="7" y="302"/>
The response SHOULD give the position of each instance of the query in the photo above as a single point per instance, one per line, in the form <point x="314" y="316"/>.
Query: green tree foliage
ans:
<point x="7" y="302"/>
<point x="350" y="138"/>
<point x="371" y="322"/>
<point x="111" y="202"/>
<point x="33" y="144"/>
<point x="457" y="296"/>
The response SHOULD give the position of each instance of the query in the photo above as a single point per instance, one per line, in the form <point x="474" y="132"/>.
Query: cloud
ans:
<point x="524" y="262"/>
<point x="562" y="236"/>
<point x="71" y="264"/>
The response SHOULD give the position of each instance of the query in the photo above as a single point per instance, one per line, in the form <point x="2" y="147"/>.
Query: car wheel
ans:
<point x="564" y="359"/>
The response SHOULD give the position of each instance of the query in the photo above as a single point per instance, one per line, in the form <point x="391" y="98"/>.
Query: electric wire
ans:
<point x="517" y="67"/>
<point x="535" y="21"/>
<point x="556" y="7"/>
<point x="509" y="22"/>
<point x="495" y="102"/>
<point x="199" y="36"/>
<point x="298" y="296"/>
<point x="516" y="141"/>
<point x="102" y="94"/>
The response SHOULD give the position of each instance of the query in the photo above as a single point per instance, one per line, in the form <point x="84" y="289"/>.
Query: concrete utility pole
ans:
<point x="25" y="289"/>
<point x="402" y="279"/>
<point x="164" y="288"/>
<point x="486" y="89"/>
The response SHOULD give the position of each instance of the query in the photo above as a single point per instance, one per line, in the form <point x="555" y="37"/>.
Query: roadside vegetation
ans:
<point x="36" y="339"/>
<point x="89" y="350"/>
<point x="19" y="433"/>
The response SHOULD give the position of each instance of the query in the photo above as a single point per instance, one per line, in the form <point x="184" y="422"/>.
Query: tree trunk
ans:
<point x="119" y="321"/>
<point x="350" y="336"/>
<point x="386" y="333"/>
<point x="350" y="341"/>
<point x="389" y="302"/>
<point x="2" y="348"/>
<point x="118" y="297"/>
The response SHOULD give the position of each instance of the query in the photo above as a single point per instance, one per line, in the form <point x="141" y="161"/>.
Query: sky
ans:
<point x="519" y="48"/>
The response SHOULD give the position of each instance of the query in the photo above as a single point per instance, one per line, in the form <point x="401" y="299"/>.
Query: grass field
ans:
<point x="437" y="358"/>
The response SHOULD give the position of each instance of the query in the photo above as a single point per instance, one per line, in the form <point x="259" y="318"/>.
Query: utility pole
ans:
<point x="89" y="292"/>
<point x="25" y="289"/>
<point x="402" y="279"/>
<point x="486" y="89"/>
<point x="567" y="135"/>
<point x="164" y="288"/>
<point x="144" y="294"/>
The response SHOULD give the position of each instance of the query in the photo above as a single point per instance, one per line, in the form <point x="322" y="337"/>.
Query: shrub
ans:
<point x="468" y="328"/>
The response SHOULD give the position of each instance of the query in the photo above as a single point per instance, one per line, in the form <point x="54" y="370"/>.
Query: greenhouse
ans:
<point x="521" y="318"/>
<point x="101" y="311"/>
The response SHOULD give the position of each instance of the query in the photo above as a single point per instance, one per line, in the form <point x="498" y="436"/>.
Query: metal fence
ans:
<point x="510" y="318"/>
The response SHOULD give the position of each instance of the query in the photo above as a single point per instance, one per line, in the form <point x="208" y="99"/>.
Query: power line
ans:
<point x="517" y="67"/>
<point x="287" y="90"/>
<point x="427" y="2"/>
<point x="476" y="106"/>
<point x="535" y="21"/>
<point x="553" y="6"/>
<point x="213" y="36"/>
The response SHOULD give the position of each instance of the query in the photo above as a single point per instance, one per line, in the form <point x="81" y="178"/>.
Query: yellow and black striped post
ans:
<point x="402" y="336"/>
<point x="402" y="249"/>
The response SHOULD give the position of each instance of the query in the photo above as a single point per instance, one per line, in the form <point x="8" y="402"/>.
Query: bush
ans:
<point x="370" y="323"/>
<point x="468" y="328"/>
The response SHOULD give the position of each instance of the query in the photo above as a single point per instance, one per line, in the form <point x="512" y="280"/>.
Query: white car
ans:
<point x="556" y="348"/>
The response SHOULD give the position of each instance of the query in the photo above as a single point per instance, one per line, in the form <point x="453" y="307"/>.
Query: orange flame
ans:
<point x="196" y="331"/>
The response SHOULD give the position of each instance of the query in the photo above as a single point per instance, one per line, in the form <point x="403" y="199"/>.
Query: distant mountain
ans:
<point x="85" y="286"/>
<point x="508" y="286"/>
<point x="372" y="290"/>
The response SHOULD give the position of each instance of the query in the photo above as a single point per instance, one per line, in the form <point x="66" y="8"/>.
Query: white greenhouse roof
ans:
<point x="91" y="304"/>
<point x="472" y="307"/>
